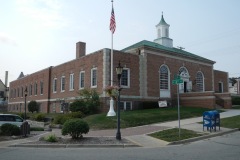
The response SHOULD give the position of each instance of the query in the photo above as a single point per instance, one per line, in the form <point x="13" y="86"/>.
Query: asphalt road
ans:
<point x="217" y="148"/>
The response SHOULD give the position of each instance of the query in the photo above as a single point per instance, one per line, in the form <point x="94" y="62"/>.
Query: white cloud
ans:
<point x="45" y="12"/>
<point x="5" y="38"/>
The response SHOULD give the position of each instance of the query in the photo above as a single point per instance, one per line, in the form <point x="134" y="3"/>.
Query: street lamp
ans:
<point x="119" y="70"/>
<point x="25" y="93"/>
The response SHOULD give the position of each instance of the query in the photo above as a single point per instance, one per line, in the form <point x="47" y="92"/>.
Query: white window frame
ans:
<point x="63" y="89"/>
<point x="54" y="85"/>
<point x="199" y="82"/>
<point x="168" y="78"/>
<point x="128" y="78"/>
<point x="92" y="76"/>
<point x="71" y="82"/>
<point x="81" y="78"/>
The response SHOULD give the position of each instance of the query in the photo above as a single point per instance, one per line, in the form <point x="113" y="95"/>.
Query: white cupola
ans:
<point x="163" y="34"/>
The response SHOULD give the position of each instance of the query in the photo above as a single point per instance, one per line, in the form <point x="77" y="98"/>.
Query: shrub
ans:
<point x="62" y="118"/>
<point x="33" y="106"/>
<point x="75" y="128"/>
<point x="51" y="138"/>
<point x="236" y="100"/>
<point x="79" y="105"/>
<point x="8" y="129"/>
<point x="39" y="117"/>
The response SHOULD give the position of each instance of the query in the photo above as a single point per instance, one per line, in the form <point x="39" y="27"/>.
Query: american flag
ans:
<point x="112" y="22"/>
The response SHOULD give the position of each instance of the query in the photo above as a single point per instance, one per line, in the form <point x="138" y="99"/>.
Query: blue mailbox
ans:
<point x="211" y="119"/>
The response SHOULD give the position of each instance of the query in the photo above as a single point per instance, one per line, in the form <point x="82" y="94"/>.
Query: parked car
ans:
<point x="11" y="118"/>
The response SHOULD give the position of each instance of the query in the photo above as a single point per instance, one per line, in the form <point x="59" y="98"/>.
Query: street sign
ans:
<point x="177" y="81"/>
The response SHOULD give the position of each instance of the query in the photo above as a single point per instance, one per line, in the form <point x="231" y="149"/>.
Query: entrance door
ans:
<point x="220" y="87"/>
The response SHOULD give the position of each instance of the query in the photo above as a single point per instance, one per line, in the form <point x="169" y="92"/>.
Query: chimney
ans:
<point x="6" y="78"/>
<point x="80" y="49"/>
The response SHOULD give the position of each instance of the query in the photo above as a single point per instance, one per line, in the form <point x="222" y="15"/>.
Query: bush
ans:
<point x="51" y="138"/>
<point x="33" y="106"/>
<point x="39" y="117"/>
<point x="79" y="105"/>
<point x="236" y="100"/>
<point x="75" y="128"/>
<point x="62" y="118"/>
<point x="8" y="129"/>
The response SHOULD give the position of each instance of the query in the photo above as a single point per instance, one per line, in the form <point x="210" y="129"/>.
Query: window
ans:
<point x="63" y="84"/>
<point x="81" y="79"/>
<point x="22" y="92"/>
<point x="35" y="88"/>
<point x="164" y="77"/>
<point x="30" y="89"/>
<point x="41" y="87"/>
<point x="54" y="85"/>
<point x="199" y="82"/>
<point x="71" y="82"/>
<point x="125" y="79"/>
<point x="126" y="105"/>
<point x="167" y="32"/>
<point x="18" y="92"/>
<point x="94" y="77"/>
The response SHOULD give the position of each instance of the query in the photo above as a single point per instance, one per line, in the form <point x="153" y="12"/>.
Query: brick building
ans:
<point x="149" y="68"/>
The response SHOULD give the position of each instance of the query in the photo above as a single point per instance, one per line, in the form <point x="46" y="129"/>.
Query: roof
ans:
<point x="173" y="50"/>
<point x="162" y="22"/>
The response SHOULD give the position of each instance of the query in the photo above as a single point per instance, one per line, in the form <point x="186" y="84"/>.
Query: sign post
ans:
<point x="177" y="80"/>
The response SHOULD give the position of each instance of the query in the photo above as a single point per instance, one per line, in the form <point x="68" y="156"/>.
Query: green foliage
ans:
<point x="231" y="122"/>
<point x="235" y="100"/>
<point x="75" y="128"/>
<point x="39" y="117"/>
<point x="79" y="105"/>
<point x="172" y="135"/>
<point x="143" y="117"/>
<point x="88" y="104"/>
<point x="8" y="129"/>
<point x="51" y="138"/>
<point x="62" y="118"/>
<point x="33" y="106"/>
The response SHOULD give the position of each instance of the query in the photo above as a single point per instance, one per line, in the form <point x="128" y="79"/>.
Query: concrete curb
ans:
<point x="75" y="145"/>
<point x="203" y="137"/>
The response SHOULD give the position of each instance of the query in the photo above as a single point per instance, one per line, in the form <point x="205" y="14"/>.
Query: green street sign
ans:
<point x="177" y="81"/>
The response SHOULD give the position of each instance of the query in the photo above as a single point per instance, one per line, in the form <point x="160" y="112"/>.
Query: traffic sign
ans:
<point x="177" y="81"/>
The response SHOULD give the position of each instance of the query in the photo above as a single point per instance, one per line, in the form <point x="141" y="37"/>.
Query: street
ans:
<point x="217" y="148"/>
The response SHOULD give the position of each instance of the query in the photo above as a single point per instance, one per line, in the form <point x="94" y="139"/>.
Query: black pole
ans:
<point x="25" y="115"/>
<point x="118" y="135"/>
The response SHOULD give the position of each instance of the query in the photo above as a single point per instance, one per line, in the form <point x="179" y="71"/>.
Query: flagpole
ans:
<point x="111" y="111"/>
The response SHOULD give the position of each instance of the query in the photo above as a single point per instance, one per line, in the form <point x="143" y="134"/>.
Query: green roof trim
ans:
<point x="173" y="50"/>
<point x="162" y="22"/>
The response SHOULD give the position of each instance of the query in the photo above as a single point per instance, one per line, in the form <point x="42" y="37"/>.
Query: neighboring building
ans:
<point x="148" y="71"/>
<point x="4" y="93"/>
<point x="234" y="88"/>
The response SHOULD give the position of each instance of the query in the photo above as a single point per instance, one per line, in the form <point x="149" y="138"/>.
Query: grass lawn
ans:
<point x="142" y="117"/>
<point x="172" y="135"/>
<point x="231" y="122"/>
<point x="236" y="107"/>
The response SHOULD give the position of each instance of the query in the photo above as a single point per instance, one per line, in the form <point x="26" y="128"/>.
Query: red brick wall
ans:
<point x="16" y="101"/>
<point x="220" y="76"/>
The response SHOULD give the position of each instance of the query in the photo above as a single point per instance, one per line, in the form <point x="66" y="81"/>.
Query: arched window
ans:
<point x="164" y="77"/>
<point x="199" y="82"/>
<point x="183" y="72"/>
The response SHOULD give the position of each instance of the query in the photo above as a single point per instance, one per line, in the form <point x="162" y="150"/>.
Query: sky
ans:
<point x="36" y="34"/>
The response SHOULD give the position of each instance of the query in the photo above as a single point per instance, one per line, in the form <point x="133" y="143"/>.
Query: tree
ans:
<point x="88" y="103"/>
<point x="33" y="106"/>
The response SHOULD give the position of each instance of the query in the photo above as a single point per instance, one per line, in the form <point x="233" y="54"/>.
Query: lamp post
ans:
<point x="119" y="69"/>
<point x="25" y="115"/>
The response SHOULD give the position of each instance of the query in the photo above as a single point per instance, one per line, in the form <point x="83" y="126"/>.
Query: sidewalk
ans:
<point x="138" y="135"/>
